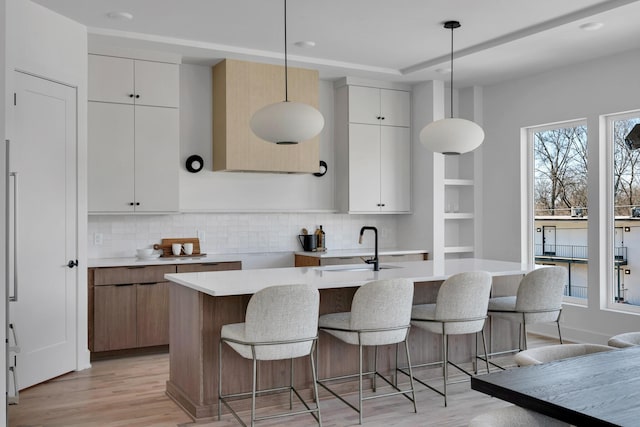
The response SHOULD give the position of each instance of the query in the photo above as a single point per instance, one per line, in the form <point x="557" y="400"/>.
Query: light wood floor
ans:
<point x="131" y="392"/>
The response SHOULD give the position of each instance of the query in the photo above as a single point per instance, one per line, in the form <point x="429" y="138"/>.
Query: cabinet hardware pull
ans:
<point x="210" y="263"/>
<point x="131" y="95"/>
<point x="137" y="203"/>
<point x="133" y="267"/>
<point x="124" y="284"/>
<point x="14" y="297"/>
<point x="137" y="96"/>
<point x="72" y="263"/>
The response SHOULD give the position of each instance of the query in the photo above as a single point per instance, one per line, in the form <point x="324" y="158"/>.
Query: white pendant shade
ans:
<point x="452" y="136"/>
<point x="287" y="122"/>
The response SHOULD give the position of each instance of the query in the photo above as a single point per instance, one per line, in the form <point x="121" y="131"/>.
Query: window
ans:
<point x="624" y="286"/>
<point x="560" y="216"/>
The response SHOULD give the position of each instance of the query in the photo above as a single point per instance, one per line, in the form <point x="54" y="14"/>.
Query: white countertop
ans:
<point x="348" y="253"/>
<point x="133" y="261"/>
<point x="248" y="282"/>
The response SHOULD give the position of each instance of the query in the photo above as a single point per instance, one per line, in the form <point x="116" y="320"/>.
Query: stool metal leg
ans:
<point x="219" y="380"/>
<point x="315" y="384"/>
<point x="291" y="384"/>
<point x="360" y="386"/>
<point x="445" y="363"/>
<point x="375" y="367"/>
<point x="413" y="390"/>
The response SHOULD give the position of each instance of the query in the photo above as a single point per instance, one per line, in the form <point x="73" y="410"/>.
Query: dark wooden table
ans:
<point x="600" y="389"/>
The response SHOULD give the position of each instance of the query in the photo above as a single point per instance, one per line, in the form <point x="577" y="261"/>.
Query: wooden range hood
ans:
<point x="241" y="88"/>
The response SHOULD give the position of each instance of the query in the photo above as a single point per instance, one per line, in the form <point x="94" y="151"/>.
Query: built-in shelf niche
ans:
<point x="459" y="209"/>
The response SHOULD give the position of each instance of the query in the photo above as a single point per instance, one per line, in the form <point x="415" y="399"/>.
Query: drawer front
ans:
<point x="341" y="260"/>
<point x="132" y="275"/>
<point x="402" y="258"/>
<point x="209" y="266"/>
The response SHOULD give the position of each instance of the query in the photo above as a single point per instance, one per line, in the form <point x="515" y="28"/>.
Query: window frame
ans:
<point x="527" y="137"/>
<point x="607" y="121"/>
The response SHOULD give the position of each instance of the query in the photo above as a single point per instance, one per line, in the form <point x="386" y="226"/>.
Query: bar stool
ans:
<point x="460" y="309"/>
<point x="281" y="322"/>
<point x="538" y="300"/>
<point x="380" y="315"/>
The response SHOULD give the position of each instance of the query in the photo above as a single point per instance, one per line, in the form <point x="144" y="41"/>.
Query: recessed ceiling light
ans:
<point x="591" y="26"/>
<point x="120" y="16"/>
<point x="305" y="44"/>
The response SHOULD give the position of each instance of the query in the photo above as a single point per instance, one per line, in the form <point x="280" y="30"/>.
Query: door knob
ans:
<point x="72" y="263"/>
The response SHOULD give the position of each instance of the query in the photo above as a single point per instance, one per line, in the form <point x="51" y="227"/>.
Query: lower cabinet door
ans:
<point x="153" y="314"/>
<point x="114" y="317"/>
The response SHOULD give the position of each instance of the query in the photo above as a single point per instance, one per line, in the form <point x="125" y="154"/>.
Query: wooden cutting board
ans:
<point x="165" y="246"/>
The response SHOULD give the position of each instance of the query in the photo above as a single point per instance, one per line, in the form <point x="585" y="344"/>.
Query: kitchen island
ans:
<point x="200" y="303"/>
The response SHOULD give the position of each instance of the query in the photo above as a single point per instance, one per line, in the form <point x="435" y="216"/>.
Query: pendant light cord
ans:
<point x="286" y="82"/>
<point x="451" y="84"/>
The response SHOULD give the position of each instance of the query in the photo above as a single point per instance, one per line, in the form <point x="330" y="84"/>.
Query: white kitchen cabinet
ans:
<point x="133" y="158"/>
<point x="133" y="81"/>
<point x="379" y="176"/>
<point x="133" y="129"/>
<point x="373" y="149"/>
<point x="379" y="106"/>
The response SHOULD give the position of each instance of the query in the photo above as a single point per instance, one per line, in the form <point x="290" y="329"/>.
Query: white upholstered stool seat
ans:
<point x="628" y="339"/>
<point x="549" y="353"/>
<point x="380" y="315"/>
<point x="514" y="416"/>
<point x="281" y="322"/>
<point x="460" y="308"/>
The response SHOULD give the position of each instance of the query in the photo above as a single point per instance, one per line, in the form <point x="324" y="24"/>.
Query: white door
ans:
<point x="549" y="240"/>
<point x="43" y="153"/>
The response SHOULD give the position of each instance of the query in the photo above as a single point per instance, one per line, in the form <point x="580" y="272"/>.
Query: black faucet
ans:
<point x="374" y="260"/>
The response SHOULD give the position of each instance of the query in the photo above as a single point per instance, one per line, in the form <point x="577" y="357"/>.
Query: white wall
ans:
<point x="586" y="90"/>
<point x="51" y="46"/>
<point x="209" y="191"/>
<point x="417" y="230"/>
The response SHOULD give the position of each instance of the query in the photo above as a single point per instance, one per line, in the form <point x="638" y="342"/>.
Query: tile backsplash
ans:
<point x="234" y="232"/>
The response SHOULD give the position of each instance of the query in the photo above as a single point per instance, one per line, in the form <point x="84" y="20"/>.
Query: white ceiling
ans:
<point x="394" y="40"/>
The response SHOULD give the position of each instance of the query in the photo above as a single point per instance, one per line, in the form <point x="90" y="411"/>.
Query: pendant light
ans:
<point x="286" y="122"/>
<point x="452" y="135"/>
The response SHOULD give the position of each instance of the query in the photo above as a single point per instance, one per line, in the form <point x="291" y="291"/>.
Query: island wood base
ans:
<point x="197" y="318"/>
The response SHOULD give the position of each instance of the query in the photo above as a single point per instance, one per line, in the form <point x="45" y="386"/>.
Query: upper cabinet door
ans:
<point x="132" y="81"/>
<point x="364" y="168"/>
<point x="157" y="84"/>
<point x="110" y="157"/>
<point x="395" y="107"/>
<point x="157" y="157"/>
<point x="395" y="169"/>
<point x="364" y="105"/>
<point x="111" y="79"/>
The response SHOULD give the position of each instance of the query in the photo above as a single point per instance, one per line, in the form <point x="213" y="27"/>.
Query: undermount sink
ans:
<point x="353" y="267"/>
